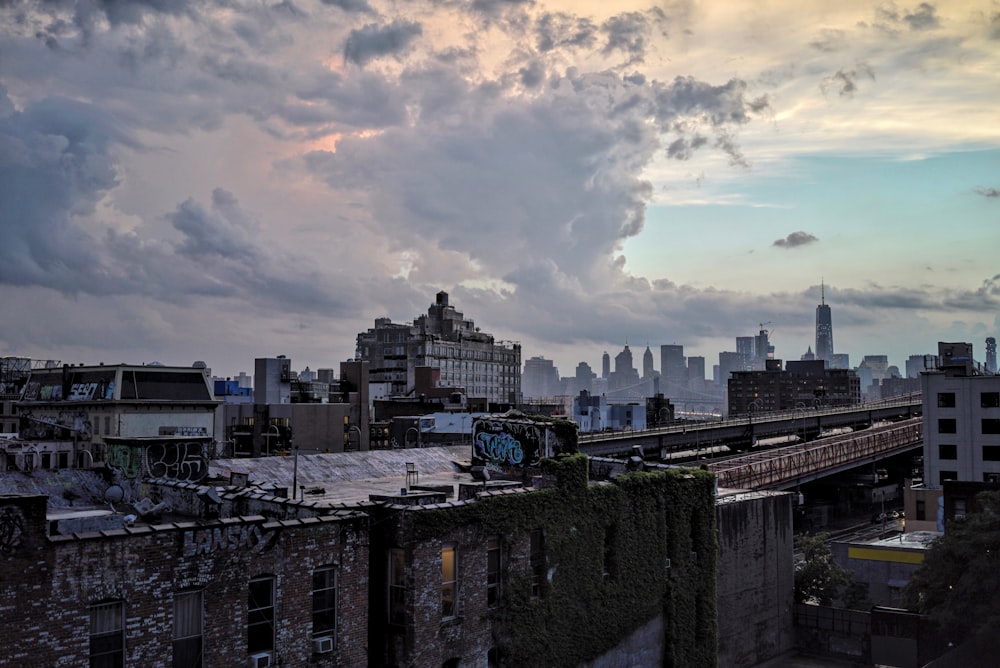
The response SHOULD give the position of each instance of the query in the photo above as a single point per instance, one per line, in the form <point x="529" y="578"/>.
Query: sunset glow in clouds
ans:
<point x="223" y="181"/>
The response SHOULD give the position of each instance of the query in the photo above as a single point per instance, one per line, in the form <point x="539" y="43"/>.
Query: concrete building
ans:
<point x="443" y="339"/>
<point x="961" y="408"/>
<point x="673" y="370"/>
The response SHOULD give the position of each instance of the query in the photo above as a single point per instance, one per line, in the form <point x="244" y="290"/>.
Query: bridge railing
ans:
<point x="775" y="467"/>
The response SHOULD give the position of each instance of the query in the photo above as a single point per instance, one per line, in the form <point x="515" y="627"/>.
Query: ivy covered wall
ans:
<point x="616" y="554"/>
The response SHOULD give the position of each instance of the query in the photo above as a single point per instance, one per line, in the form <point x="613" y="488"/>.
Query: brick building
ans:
<point x="801" y="384"/>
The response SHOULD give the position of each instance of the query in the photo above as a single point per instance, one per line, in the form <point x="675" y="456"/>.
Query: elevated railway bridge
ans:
<point x="822" y="442"/>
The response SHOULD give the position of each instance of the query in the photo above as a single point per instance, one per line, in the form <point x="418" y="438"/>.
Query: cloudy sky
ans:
<point x="228" y="179"/>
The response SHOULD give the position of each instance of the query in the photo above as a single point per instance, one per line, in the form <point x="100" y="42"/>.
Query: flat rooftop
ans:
<point x="352" y="477"/>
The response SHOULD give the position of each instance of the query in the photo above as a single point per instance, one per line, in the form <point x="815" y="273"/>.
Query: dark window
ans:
<point x="959" y="506"/>
<point x="188" y="608"/>
<point x="107" y="640"/>
<point x="946" y="426"/>
<point x="947" y="475"/>
<point x="946" y="399"/>
<point x="397" y="586"/>
<point x="991" y="453"/>
<point x="260" y="615"/>
<point x="493" y="564"/>
<point x="921" y="509"/>
<point x="324" y="597"/>
<point x="991" y="426"/>
<point x="947" y="451"/>
<point x="989" y="400"/>
<point x="449" y="580"/>
<point x="537" y="557"/>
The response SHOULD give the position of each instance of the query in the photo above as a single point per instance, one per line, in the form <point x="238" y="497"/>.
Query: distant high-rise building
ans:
<point x="696" y="373"/>
<point x="916" y="364"/>
<point x="647" y="364"/>
<point x="824" y="329"/>
<point x="625" y="374"/>
<point x="762" y="349"/>
<point x="442" y="339"/>
<point x="841" y="361"/>
<point x="809" y="356"/>
<point x="991" y="354"/>
<point x="605" y="365"/>
<point x="673" y="370"/>
<point x="584" y="378"/>
<point x="540" y="378"/>
<point x="744" y="348"/>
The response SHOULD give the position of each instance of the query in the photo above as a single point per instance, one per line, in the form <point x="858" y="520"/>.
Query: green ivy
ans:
<point x="649" y="517"/>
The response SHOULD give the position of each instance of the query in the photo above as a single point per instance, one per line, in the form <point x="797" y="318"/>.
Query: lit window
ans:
<point x="260" y="615"/>
<point x="107" y="639"/>
<point x="449" y="580"/>
<point x="188" y="629"/>
<point x="324" y="597"/>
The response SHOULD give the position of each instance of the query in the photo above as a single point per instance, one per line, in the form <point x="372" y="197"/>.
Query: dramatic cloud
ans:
<point x="845" y="82"/>
<point x="987" y="192"/>
<point x="374" y="41"/>
<point x="795" y="239"/>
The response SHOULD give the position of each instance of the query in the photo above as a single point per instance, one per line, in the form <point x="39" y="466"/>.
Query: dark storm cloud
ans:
<point x="55" y="165"/>
<point x="560" y="30"/>
<point x="923" y="17"/>
<point x="987" y="192"/>
<point x="795" y="239"/>
<point x="532" y="74"/>
<point x="224" y="230"/>
<point x="845" y="82"/>
<point x="627" y="33"/>
<point x="353" y="6"/>
<point x="374" y="41"/>
<point x="683" y="149"/>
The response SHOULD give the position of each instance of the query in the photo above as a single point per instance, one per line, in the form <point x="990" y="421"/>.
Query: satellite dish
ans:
<point x="114" y="494"/>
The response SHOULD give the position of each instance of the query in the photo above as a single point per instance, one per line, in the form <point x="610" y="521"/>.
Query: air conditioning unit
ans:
<point x="260" y="660"/>
<point x="322" y="645"/>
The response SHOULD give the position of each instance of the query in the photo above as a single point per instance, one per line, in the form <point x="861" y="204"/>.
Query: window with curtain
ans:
<point x="107" y="637"/>
<point x="188" y="629"/>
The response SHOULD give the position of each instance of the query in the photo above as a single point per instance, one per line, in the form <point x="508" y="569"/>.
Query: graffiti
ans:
<point x="234" y="537"/>
<point x="11" y="529"/>
<point x="500" y="448"/>
<point x="126" y="459"/>
<point x="178" y="461"/>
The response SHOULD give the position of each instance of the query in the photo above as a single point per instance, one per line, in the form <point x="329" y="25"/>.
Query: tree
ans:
<point x="821" y="580"/>
<point x="958" y="585"/>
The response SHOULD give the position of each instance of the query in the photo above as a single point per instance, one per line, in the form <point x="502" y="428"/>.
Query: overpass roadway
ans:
<point x="741" y="433"/>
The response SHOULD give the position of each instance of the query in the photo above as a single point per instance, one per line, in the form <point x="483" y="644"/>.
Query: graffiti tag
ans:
<point x="11" y="529"/>
<point x="178" y="461"/>
<point x="500" y="448"/>
<point x="235" y="537"/>
<point x="126" y="459"/>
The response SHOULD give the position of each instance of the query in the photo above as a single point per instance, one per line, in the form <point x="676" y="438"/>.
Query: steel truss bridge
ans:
<point x="880" y="430"/>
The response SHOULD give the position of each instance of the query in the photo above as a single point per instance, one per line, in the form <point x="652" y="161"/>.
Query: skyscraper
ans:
<point x="673" y="370"/>
<point x="991" y="354"/>
<point x="824" y="329"/>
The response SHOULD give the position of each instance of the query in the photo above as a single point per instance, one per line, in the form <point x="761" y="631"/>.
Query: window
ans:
<point x="188" y="629"/>
<point x="107" y="640"/>
<point x="921" y="509"/>
<point x="449" y="580"/>
<point x="947" y="426"/>
<point x="989" y="400"/>
<point x="537" y="558"/>
<point x="397" y="586"/>
<point x="325" y="602"/>
<point x="991" y="426"/>
<point x="946" y="399"/>
<point x="493" y="564"/>
<point x="947" y="475"/>
<point x="107" y="425"/>
<point x="991" y="453"/>
<point x="260" y="615"/>
<point x="959" y="506"/>
<point x="610" y="565"/>
<point x="947" y="451"/>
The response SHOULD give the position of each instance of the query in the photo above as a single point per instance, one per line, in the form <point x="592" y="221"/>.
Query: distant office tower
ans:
<point x="584" y="378"/>
<point x="605" y="365"/>
<point x="625" y="374"/>
<point x="809" y="356"/>
<point x="696" y="373"/>
<point x="841" y="361"/>
<point x="647" y="364"/>
<point x="540" y="378"/>
<point x="991" y="355"/>
<point x="916" y="364"/>
<point x="673" y="370"/>
<point x="824" y="330"/>
<point x="744" y="348"/>
<point x="762" y="349"/>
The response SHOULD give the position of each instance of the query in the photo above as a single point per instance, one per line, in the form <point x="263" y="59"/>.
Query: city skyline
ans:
<point x="225" y="181"/>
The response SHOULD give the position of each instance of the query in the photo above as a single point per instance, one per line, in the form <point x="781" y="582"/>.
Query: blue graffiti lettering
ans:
<point x="500" y="448"/>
